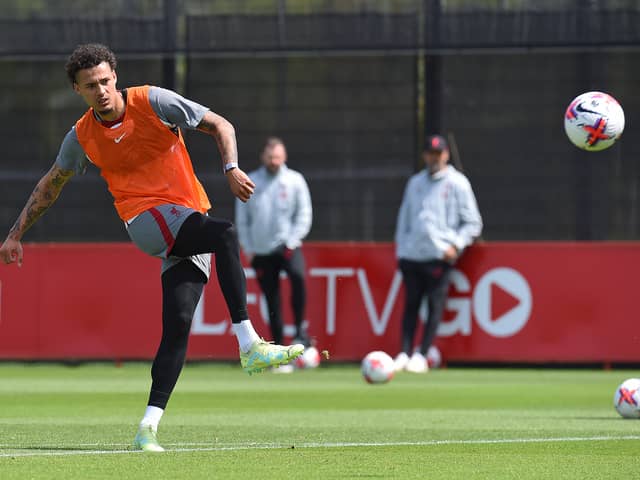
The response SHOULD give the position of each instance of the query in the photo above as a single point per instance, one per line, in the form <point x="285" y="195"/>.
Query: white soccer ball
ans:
<point x="627" y="398"/>
<point x="377" y="367"/>
<point x="309" y="359"/>
<point x="594" y="121"/>
<point x="434" y="357"/>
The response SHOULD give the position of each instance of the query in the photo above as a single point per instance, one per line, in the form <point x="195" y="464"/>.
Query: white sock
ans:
<point x="152" y="416"/>
<point x="246" y="334"/>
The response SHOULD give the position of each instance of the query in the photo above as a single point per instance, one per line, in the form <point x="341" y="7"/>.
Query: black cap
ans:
<point x="435" y="143"/>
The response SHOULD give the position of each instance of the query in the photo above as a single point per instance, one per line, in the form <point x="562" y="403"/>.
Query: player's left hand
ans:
<point x="451" y="254"/>
<point x="240" y="184"/>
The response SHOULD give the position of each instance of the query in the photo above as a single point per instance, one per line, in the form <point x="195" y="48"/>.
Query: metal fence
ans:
<point x="352" y="86"/>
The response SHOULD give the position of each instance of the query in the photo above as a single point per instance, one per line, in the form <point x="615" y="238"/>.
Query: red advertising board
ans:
<point x="508" y="302"/>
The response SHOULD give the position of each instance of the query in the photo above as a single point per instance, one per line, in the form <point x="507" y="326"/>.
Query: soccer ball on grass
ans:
<point x="309" y="359"/>
<point x="626" y="400"/>
<point x="377" y="367"/>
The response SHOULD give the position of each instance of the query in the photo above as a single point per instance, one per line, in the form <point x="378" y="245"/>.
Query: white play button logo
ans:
<point x="502" y="302"/>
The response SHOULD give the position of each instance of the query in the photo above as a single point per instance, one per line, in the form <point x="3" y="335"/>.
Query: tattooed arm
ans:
<point x="42" y="197"/>
<point x="225" y="135"/>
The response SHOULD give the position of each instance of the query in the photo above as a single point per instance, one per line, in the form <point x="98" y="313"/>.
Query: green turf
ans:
<point x="78" y="422"/>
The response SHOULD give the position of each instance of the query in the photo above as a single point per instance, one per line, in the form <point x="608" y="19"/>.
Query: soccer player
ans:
<point x="438" y="218"/>
<point x="133" y="136"/>
<point x="271" y="229"/>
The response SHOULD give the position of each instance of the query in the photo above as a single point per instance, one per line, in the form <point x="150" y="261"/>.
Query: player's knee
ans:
<point x="183" y="323"/>
<point x="230" y="237"/>
<point x="182" y="327"/>
<point x="177" y="322"/>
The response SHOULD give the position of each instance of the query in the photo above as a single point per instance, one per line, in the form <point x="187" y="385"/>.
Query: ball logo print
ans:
<point x="594" y="121"/>
<point x="627" y="396"/>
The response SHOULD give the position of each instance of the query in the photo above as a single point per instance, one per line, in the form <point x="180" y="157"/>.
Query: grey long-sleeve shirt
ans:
<point x="437" y="211"/>
<point x="279" y="212"/>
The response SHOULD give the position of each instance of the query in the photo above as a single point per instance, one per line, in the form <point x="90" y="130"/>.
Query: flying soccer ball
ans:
<point x="309" y="359"/>
<point x="377" y="367"/>
<point x="627" y="398"/>
<point x="594" y="121"/>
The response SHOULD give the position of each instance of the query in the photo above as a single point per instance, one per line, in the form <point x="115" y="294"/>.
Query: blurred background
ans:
<point x="352" y="86"/>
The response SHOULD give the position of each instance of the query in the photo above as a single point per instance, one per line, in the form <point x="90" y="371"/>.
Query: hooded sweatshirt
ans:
<point x="437" y="211"/>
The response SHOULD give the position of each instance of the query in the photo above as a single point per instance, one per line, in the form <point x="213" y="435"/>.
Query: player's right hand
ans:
<point x="11" y="251"/>
<point x="240" y="184"/>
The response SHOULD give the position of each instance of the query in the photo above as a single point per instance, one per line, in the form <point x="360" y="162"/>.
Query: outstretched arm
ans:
<point x="42" y="197"/>
<point x="225" y="135"/>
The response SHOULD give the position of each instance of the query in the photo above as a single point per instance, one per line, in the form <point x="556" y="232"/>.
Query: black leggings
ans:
<point x="420" y="279"/>
<point x="202" y="234"/>
<point x="268" y="268"/>
<point x="182" y="287"/>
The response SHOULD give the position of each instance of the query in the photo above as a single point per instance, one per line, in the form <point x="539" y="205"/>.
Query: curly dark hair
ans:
<point x="87" y="56"/>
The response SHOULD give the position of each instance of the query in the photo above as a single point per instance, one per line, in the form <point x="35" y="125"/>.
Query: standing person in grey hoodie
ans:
<point x="271" y="229"/>
<point x="438" y="218"/>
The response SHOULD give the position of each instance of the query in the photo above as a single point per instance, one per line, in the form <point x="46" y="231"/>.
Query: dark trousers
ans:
<point x="268" y="268"/>
<point x="423" y="278"/>
<point x="182" y="286"/>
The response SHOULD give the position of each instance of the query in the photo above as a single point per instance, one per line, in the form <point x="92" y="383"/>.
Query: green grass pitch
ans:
<point x="78" y="423"/>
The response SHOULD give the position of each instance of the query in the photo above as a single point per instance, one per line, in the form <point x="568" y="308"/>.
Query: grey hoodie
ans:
<point x="279" y="212"/>
<point x="437" y="211"/>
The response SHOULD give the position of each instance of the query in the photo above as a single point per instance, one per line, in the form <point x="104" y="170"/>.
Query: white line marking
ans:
<point x="273" y="446"/>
